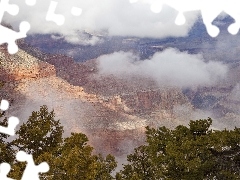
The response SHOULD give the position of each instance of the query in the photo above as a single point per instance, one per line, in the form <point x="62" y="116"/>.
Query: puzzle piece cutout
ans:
<point x="4" y="105"/>
<point x="30" y="2"/>
<point x="76" y="11"/>
<point x="12" y="121"/>
<point x="7" y="35"/>
<point x="210" y="10"/>
<point x="4" y="170"/>
<point x="133" y="1"/>
<point x="58" y="18"/>
<point x="6" y="7"/>
<point x="31" y="171"/>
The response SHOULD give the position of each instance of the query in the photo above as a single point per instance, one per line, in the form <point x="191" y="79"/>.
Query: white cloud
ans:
<point x="117" y="17"/>
<point x="167" y="68"/>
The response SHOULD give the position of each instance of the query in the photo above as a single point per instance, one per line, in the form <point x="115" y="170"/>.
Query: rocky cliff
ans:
<point x="113" y="112"/>
<point x="22" y="65"/>
<point x="111" y="121"/>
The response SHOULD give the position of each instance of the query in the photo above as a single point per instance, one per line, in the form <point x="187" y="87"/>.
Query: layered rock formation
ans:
<point x="110" y="121"/>
<point x="22" y="65"/>
<point x="113" y="112"/>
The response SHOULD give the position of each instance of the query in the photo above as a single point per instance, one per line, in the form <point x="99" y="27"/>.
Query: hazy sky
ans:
<point x="116" y="17"/>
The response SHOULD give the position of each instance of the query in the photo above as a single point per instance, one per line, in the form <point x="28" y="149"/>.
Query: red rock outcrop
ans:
<point x="22" y="65"/>
<point x="112" y="112"/>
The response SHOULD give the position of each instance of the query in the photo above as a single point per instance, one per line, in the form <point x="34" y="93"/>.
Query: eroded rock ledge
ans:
<point x="22" y="65"/>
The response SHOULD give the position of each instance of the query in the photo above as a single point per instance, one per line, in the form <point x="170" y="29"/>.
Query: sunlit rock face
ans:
<point x="112" y="121"/>
<point x="113" y="112"/>
<point x="22" y="65"/>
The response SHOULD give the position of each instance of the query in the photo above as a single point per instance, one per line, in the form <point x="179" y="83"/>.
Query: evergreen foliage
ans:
<point x="68" y="158"/>
<point x="193" y="152"/>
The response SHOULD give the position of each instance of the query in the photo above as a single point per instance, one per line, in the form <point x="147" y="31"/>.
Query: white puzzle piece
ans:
<point x="4" y="170"/>
<point x="7" y="35"/>
<point x="31" y="171"/>
<point x="210" y="10"/>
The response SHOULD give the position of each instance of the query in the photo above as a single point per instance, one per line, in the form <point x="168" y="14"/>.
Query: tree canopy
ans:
<point x="194" y="152"/>
<point x="69" y="158"/>
<point x="186" y="152"/>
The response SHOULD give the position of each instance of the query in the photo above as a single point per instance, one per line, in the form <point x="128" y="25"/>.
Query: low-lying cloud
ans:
<point x="113" y="17"/>
<point x="167" y="68"/>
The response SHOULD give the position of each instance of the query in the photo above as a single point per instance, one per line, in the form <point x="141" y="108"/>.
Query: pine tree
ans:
<point x="68" y="158"/>
<point x="6" y="150"/>
<point x="194" y="152"/>
<point x="41" y="133"/>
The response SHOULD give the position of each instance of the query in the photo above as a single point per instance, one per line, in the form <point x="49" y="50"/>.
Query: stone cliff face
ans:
<point x="22" y="65"/>
<point x="30" y="83"/>
<point x="113" y="112"/>
<point x="149" y="101"/>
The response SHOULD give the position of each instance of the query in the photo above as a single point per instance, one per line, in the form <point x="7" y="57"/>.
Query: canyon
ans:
<point x="113" y="112"/>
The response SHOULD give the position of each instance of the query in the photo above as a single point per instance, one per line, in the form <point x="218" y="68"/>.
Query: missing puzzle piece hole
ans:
<point x="22" y="156"/>
<point x="233" y="28"/>
<point x="156" y="7"/>
<point x="76" y="11"/>
<point x="31" y="171"/>
<point x="4" y="105"/>
<point x="4" y="170"/>
<point x="12" y="123"/>
<point x="133" y="1"/>
<point x="180" y="20"/>
<point x="44" y="167"/>
<point x="51" y="16"/>
<point x="30" y="2"/>
<point x="213" y="30"/>
<point x="24" y="27"/>
<point x="12" y="48"/>
<point x="14" y="10"/>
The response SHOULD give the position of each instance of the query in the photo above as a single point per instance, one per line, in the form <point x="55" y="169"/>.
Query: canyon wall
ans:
<point x="112" y="112"/>
<point x="22" y="65"/>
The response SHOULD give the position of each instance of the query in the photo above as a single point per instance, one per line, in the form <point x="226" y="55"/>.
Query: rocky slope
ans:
<point x="111" y="111"/>
<point x="110" y="120"/>
<point x="22" y="65"/>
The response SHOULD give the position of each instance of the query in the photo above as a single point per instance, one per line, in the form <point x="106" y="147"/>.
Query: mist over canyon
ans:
<point x="112" y="85"/>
